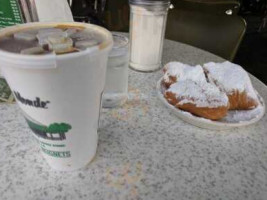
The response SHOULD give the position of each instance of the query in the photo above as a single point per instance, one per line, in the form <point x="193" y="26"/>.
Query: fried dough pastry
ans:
<point x="201" y="99"/>
<point x="235" y="82"/>
<point x="176" y="71"/>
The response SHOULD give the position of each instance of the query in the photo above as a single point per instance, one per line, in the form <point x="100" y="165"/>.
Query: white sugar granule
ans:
<point x="202" y="94"/>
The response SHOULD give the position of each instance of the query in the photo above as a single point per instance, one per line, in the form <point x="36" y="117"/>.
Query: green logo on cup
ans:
<point x="55" y="131"/>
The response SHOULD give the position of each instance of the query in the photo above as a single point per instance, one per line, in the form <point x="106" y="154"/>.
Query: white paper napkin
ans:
<point x="53" y="11"/>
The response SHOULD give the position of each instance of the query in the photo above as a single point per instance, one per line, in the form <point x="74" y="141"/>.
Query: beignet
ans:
<point x="176" y="71"/>
<point x="235" y="82"/>
<point x="199" y="98"/>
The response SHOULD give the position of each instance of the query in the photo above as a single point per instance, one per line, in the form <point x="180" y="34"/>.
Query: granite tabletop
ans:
<point x="144" y="152"/>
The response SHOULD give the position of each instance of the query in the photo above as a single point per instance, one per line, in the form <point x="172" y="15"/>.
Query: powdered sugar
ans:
<point x="222" y="79"/>
<point x="202" y="94"/>
<point x="239" y="116"/>
<point x="230" y="77"/>
<point x="184" y="72"/>
<point x="194" y="87"/>
<point x="233" y="119"/>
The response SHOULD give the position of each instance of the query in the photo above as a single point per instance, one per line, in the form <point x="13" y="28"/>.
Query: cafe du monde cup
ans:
<point x="57" y="74"/>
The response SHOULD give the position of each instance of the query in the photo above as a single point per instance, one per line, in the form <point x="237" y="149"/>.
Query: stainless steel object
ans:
<point x="32" y="10"/>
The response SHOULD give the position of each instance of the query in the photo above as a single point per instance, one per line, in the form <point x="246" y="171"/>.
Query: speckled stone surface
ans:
<point x="144" y="153"/>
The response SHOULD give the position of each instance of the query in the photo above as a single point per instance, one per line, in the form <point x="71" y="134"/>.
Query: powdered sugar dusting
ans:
<point x="239" y="116"/>
<point x="230" y="77"/>
<point x="202" y="94"/>
<point x="236" y="117"/>
<point x="184" y="72"/>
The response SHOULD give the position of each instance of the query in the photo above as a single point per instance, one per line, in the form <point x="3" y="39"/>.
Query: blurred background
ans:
<point x="246" y="39"/>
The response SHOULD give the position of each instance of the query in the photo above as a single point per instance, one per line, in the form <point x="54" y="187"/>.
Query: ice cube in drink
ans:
<point x="58" y="40"/>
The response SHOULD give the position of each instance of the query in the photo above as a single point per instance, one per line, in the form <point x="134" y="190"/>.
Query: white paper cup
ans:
<point x="60" y="96"/>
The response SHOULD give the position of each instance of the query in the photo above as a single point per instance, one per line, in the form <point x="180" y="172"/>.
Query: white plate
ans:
<point x="232" y="120"/>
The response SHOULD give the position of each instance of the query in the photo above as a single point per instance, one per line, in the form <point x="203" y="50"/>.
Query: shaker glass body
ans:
<point x="147" y="32"/>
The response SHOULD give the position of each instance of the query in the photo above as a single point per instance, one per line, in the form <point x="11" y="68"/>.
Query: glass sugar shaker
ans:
<point x="147" y="31"/>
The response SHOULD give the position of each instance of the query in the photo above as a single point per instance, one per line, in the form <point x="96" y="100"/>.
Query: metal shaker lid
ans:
<point x="150" y="2"/>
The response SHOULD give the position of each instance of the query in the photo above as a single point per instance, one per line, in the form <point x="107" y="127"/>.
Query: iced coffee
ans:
<point x="47" y="40"/>
<point x="56" y="72"/>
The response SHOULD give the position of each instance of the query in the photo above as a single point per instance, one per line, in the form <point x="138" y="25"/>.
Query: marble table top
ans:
<point x="144" y="152"/>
